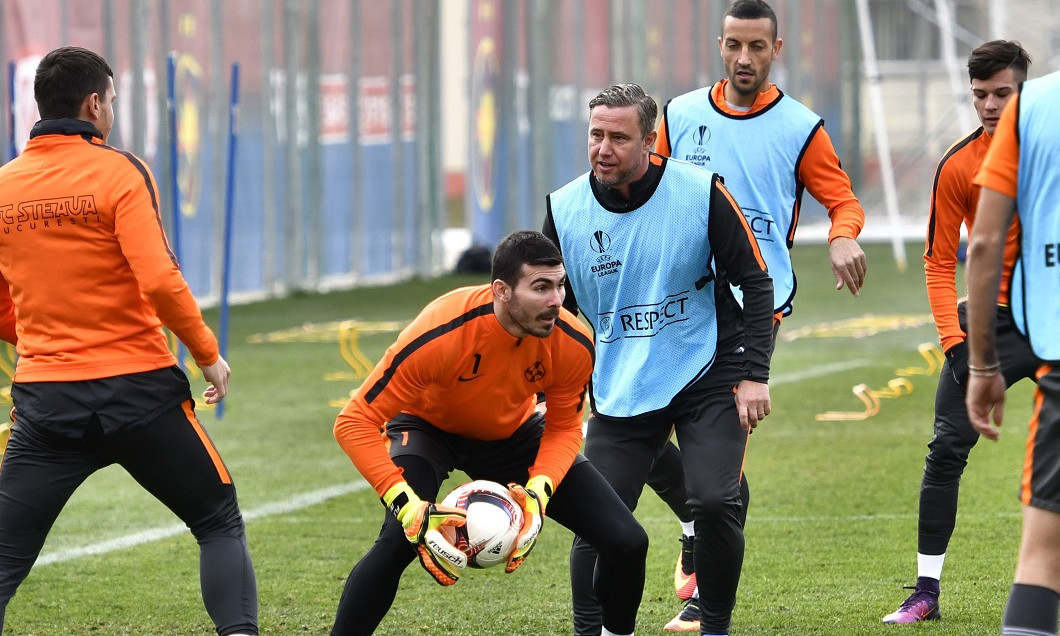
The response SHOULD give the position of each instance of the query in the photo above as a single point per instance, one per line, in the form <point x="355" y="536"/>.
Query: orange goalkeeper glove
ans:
<point x="421" y="521"/>
<point x="533" y="498"/>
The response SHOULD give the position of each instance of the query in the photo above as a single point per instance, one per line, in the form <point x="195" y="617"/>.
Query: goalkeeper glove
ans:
<point x="532" y="498"/>
<point x="421" y="521"/>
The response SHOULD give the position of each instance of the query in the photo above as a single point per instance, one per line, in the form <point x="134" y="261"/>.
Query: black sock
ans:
<point x="1030" y="610"/>
<point x="927" y="584"/>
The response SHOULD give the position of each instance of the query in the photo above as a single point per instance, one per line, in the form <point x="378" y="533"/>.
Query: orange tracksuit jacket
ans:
<point x="819" y="169"/>
<point x="456" y="367"/>
<point x="87" y="278"/>
<point x="954" y="199"/>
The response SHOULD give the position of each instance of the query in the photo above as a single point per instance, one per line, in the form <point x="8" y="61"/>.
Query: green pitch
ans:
<point x="831" y="534"/>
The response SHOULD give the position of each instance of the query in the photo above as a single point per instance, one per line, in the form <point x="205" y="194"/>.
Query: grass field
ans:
<point x="831" y="535"/>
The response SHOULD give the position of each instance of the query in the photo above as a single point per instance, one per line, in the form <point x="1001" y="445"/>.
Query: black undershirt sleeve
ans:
<point x="735" y="253"/>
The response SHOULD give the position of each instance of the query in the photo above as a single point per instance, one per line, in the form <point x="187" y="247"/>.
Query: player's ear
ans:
<point x="501" y="290"/>
<point x="776" y="47"/>
<point x="90" y="105"/>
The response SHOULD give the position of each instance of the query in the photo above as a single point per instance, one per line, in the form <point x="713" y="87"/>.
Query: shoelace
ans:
<point x="916" y="597"/>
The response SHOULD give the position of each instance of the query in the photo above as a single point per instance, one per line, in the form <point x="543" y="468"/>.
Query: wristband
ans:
<point x="986" y="371"/>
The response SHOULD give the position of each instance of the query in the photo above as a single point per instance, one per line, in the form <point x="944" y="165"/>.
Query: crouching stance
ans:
<point x="457" y="391"/>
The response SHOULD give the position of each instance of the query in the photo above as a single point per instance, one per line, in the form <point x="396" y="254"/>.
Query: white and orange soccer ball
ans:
<point x="493" y="522"/>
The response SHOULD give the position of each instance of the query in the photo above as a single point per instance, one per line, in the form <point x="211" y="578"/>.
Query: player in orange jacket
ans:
<point x="996" y="70"/>
<point x="87" y="280"/>
<point x="458" y="391"/>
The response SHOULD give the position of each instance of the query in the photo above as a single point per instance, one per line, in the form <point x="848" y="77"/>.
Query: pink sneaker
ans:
<point x="920" y="606"/>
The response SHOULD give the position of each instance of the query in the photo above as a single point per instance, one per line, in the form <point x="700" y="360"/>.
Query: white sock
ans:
<point x="930" y="565"/>
<point x="688" y="528"/>
<point x="604" y="632"/>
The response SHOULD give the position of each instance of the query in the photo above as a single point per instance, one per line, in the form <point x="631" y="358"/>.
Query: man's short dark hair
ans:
<point x="622" y="95"/>
<point x="753" y="10"/>
<point x="65" y="77"/>
<point x="997" y="55"/>
<point x="525" y="247"/>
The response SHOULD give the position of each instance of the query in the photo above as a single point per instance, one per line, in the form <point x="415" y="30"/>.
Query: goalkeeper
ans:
<point x="458" y="391"/>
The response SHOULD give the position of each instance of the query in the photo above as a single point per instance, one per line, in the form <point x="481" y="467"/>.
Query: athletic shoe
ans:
<point x="921" y="605"/>
<point x="685" y="571"/>
<point x="687" y="620"/>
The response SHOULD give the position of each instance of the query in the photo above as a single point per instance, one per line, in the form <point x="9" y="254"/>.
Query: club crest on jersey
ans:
<point x="534" y="372"/>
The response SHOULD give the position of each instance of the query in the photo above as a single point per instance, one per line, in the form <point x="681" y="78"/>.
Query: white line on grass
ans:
<point x="308" y="499"/>
<point x="816" y="372"/>
<point x="297" y="502"/>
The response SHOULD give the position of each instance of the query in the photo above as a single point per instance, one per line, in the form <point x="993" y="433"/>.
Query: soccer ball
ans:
<point x="493" y="522"/>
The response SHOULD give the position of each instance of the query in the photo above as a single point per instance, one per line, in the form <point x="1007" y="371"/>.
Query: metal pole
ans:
<point x="294" y="263"/>
<point x="217" y="115"/>
<point x="998" y="19"/>
<point x="269" y="128"/>
<point x="353" y="105"/>
<point x="851" y="68"/>
<point x="138" y="103"/>
<point x="173" y="169"/>
<point x="946" y="19"/>
<point x="581" y="106"/>
<point x="163" y="57"/>
<point x="540" y="61"/>
<point x="397" y="148"/>
<point x="314" y="164"/>
<point x="618" y="41"/>
<point x="226" y="243"/>
<point x="109" y="52"/>
<point x="717" y="67"/>
<point x="428" y="127"/>
<point x="636" y="26"/>
<point x="797" y="67"/>
<point x="883" y="146"/>
<point x="508" y="115"/>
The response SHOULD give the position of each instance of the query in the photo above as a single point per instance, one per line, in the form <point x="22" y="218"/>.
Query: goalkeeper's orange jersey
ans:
<point x="456" y="367"/>
<point x="954" y="199"/>
<point x="86" y="275"/>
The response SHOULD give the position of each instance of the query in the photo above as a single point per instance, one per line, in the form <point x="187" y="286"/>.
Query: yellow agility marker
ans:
<point x="896" y="387"/>
<point x="8" y="359"/>
<point x="350" y="350"/>
<point x="5" y="435"/>
<point x="349" y="332"/>
<point x="867" y="396"/>
<point x="933" y="356"/>
<point x="190" y="368"/>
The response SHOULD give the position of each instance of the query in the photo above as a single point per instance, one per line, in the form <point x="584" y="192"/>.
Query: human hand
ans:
<point x="420" y="521"/>
<point x="217" y="375"/>
<point x="752" y="403"/>
<point x="848" y="264"/>
<point x="985" y="401"/>
<point x="533" y="498"/>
